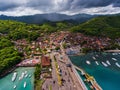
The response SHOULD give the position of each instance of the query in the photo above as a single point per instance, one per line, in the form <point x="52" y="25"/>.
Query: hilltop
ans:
<point x="106" y="26"/>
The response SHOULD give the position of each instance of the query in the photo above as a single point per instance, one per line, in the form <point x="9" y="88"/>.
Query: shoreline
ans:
<point x="11" y="70"/>
<point x="112" y="51"/>
<point x="7" y="72"/>
<point x="77" y="76"/>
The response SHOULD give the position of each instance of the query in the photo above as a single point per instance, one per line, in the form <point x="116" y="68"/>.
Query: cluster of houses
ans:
<point x="36" y="56"/>
<point x="91" y="42"/>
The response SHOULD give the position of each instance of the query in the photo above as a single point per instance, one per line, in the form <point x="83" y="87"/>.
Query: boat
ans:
<point x="82" y="73"/>
<point x="108" y="62"/>
<point x="14" y="76"/>
<point x="104" y="64"/>
<point x="94" y="58"/>
<point x="114" y="59"/>
<point x="29" y="75"/>
<point x="97" y="56"/>
<point x="97" y="62"/>
<point x="26" y="75"/>
<point x="14" y="86"/>
<point x="25" y="72"/>
<point x="25" y="84"/>
<point x="88" y="62"/>
<point x="117" y="64"/>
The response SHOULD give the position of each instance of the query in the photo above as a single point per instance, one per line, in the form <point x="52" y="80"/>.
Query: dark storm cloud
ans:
<point x="91" y="3"/>
<point x="51" y="6"/>
<point x="117" y="3"/>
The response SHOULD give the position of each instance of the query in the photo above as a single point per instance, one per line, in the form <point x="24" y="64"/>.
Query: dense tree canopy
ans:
<point x="108" y="26"/>
<point x="8" y="55"/>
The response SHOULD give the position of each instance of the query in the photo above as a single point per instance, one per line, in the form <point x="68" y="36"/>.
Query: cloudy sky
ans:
<point x="70" y="7"/>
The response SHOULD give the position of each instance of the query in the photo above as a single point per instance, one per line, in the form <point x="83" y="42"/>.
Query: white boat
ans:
<point x="114" y="59"/>
<point x="25" y="72"/>
<point x="97" y="56"/>
<point x="117" y="64"/>
<point x="26" y="75"/>
<point x="94" y="58"/>
<point x="25" y="84"/>
<point x="29" y="75"/>
<point x="14" y="86"/>
<point x="22" y="75"/>
<point x="88" y="62"/>
<point x="104" y="64"/>
<point x="14" y="76"/>
<point x="108" y="62"/>
<point x="82" y="73"/>
<point x="97" y="62"/>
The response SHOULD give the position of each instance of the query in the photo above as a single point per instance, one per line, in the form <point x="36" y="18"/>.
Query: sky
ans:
<point x="69" y="7"/>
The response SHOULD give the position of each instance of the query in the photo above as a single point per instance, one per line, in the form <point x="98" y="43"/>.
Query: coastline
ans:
<point x="113" y="51"/>
<point x="7" y="72"/>
<point x="77" y="76"/>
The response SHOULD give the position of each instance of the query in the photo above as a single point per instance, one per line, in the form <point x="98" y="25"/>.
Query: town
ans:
<point x="51" y="52"/>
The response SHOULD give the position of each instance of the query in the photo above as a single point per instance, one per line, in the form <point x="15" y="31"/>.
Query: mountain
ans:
<point x="53" y="17"/>
<point x="100" y="26"/>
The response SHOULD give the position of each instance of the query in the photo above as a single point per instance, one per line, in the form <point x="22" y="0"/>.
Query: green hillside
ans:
<point x="18" y="30"/>
<point x="101" y="26"/>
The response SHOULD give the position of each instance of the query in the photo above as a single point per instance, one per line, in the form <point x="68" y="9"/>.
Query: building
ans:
<point x="45" y="61"/>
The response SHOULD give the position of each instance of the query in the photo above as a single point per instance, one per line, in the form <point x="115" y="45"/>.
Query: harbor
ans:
<point x="21" y="78"/>
<point x="104" y="68"/>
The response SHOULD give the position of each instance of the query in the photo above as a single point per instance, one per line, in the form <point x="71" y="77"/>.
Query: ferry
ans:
<point x="114" y="59"/>
<point x="25" y="84"/>
<point x="14" y="86"/>
<point x="97" y="62"/>
<point x="14" y="76"/>
<point x="88" y="62"/>
<point x="108" y="62"/>
<point x="117" y="64"/>
<point x="104" y="64"/>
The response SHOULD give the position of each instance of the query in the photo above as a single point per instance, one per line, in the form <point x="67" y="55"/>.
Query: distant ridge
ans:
<point x="53" y="17"/>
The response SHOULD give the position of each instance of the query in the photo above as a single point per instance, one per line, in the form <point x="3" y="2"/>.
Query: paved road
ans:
<point x="67" y="80"/>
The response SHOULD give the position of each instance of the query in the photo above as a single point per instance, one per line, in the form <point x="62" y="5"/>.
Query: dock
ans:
<point x="89" y="78"/>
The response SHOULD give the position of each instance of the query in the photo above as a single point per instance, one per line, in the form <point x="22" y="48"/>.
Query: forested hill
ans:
<point x="100" y="26"/>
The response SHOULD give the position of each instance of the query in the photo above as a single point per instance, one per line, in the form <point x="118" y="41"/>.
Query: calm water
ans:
<point x="107" y="77"/>
<point x="7" y="84"/>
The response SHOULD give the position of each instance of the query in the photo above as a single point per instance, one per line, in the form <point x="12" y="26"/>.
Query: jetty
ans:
<point x="89" y="78"/>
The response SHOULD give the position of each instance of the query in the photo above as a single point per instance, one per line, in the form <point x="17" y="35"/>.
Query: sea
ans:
<point x="104" y="67"/>
<point x="6" y="82"/>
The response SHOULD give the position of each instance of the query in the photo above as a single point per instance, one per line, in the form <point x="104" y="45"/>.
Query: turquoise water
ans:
<point x="7" y="84"/>
<point x="107" y="77"/>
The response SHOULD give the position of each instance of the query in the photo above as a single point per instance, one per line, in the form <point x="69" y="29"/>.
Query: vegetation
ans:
<point x="108" y="26"/>
<point x="38" y="82"/>
<point x="9" y="57"/>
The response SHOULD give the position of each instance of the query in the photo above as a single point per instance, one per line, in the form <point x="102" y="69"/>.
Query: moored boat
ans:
<point x="14" y="86"/>
<point x="104" y="64"/>
<point x="25" y="84"/>
<point x="114" y="59"/>
<point x="14" y="76"/>
<point x="108" y="62"/>
<point x="118" y="65"/>
<point x="97" y="62"/>
<point x="88" y="62"/>
<point x="94" y="58"/>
